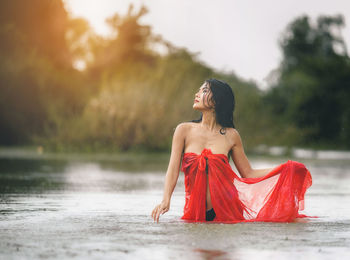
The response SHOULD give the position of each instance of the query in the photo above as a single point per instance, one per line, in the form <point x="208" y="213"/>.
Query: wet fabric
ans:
<point x="276" y="197"/>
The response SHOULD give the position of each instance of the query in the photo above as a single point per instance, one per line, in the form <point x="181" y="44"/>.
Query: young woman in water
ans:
<point x="213" y="190"/>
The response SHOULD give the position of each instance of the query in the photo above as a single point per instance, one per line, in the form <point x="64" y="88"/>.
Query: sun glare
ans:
<point x="79" y="65"/>
<point x="96" y="12"/>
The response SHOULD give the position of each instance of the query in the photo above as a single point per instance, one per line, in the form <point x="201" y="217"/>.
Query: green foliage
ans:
<point x="41" y="24"/>
<point x="36" y="77"/>
<point x="314" y="82"/>
<point x="130" y="97"/>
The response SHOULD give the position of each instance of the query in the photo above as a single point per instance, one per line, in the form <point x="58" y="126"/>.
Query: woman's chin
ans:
<point x="195" y="107"/>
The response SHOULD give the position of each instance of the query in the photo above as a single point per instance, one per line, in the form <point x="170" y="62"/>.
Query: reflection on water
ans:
<point x="59" y="208"/>
<point x="210" y="254"/>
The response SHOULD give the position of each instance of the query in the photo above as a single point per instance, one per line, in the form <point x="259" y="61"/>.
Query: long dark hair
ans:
<point x="224" y="101"/>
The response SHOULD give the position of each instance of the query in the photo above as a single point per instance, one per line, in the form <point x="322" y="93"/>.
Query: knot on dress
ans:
<point x="206" y="153"/>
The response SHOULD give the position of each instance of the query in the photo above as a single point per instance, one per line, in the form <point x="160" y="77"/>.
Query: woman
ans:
<point x="213" y="191"/>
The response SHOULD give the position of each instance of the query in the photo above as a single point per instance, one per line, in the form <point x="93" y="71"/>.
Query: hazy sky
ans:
<point x="233" y="35"/>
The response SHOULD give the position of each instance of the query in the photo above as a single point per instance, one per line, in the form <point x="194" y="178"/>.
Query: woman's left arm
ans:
<point x="241" y="161"/>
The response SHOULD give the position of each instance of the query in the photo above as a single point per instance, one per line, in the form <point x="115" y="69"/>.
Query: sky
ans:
<point x="239" y="36"/>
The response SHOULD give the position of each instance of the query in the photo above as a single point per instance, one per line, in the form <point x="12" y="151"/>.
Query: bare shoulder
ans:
<point x="233" y="135"/>
<point x="232" y="132"/>
<point x="184" y="127"/>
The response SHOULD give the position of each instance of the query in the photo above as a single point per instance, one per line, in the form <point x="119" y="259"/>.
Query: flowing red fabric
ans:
<point x="275" y="197"/>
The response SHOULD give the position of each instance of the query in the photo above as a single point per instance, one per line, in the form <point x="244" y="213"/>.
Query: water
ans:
<point x="89" y="208"/>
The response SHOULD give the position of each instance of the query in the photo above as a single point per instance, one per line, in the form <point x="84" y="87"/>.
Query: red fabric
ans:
<point x="275" y="197"/>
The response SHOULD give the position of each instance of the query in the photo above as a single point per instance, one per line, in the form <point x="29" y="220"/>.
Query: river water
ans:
<point x="98" y="207"/>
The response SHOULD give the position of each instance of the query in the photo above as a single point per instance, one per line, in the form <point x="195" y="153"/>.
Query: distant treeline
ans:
<point x="131" y="97"/>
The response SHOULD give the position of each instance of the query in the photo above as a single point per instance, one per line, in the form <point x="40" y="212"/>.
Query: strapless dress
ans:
<point x="276" y="197"/>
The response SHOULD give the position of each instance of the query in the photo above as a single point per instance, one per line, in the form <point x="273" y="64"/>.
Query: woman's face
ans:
<point x="202" y="98"/>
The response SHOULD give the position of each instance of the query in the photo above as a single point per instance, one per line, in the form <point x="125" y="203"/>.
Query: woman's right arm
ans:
<point x="178" y="144"/>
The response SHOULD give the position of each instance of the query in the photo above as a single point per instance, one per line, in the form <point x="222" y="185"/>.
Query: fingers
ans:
<point x="154" y="212"/>
<point x="157" y="211"/>
<point x="161" y="211"/>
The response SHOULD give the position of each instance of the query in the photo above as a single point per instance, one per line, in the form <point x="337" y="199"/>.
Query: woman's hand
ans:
<point x="160" y="209"/>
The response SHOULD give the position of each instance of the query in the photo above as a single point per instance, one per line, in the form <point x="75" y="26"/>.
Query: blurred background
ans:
<point x="120" y="75"/>
<point x="91" y="92"/>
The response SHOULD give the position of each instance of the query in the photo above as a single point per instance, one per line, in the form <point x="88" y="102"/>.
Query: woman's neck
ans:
<point x="209" y="121"/>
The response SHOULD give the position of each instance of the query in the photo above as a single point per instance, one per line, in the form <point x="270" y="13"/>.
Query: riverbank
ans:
<point x="262" y="151"/>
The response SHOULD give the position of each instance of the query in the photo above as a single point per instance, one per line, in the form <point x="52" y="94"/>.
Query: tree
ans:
<point x="314" y="78"/>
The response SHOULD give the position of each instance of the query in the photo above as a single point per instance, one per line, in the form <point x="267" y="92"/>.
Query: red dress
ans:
<point x="275" y="197"/>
